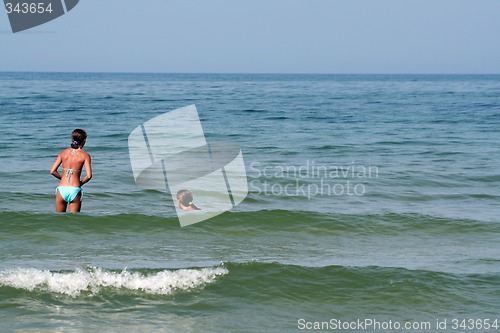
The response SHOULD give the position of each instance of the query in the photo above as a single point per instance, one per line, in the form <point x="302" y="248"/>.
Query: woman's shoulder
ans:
<point x="63" y="152"/>
<point x="87" y="155"/>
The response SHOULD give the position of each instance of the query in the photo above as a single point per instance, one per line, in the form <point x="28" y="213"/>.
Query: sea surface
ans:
<point x="373" y="206"/>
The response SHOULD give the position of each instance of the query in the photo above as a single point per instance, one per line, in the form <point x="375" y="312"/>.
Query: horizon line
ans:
<point x="246" y="73"/>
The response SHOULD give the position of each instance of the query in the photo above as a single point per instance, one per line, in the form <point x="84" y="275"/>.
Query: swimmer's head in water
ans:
<point x="185" y="200"/>
<point x="78" y="138"/>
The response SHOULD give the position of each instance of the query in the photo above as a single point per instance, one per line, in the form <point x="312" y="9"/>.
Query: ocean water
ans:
<point x="374" y="199"/>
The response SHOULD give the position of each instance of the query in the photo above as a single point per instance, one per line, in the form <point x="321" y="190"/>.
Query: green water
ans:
<point x="418" y="243"/>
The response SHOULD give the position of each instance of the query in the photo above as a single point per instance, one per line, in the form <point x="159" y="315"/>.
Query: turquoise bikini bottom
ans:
<point x="69" y="193"/>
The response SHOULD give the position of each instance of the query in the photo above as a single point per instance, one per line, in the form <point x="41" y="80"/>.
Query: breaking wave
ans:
<point x="93" y="279"/>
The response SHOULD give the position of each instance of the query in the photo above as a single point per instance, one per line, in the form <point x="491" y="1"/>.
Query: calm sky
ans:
<point x="262" y="36"/>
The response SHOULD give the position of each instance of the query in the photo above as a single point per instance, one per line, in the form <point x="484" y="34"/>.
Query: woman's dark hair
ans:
<point x="186" y="199"/>
<point x="77" y="138"/>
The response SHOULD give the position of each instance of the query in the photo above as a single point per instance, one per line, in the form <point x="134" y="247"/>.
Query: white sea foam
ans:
<point x="93" y="279"/>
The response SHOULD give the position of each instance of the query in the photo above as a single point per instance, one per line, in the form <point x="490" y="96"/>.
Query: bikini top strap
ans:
<point x="69" y="173"/>
<point x="72" y="170"/>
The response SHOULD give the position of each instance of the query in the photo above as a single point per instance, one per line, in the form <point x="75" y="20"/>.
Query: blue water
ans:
<point x="371" y="196"/>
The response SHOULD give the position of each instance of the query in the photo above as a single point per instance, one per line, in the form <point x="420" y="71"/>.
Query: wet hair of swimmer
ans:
<point x="186" y="199"/>
<point x="77" y="138"/>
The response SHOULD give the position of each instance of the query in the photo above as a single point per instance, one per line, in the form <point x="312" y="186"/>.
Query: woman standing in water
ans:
<point x="73" y="160"/>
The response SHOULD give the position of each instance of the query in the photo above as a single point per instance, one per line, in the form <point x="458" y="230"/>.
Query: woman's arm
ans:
<point x="55" y="166"/>
<point x="88" y="171"/>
